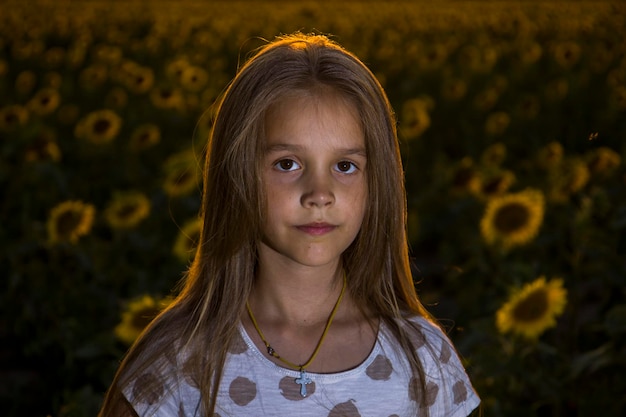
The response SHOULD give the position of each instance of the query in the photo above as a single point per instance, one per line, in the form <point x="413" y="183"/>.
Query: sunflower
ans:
<point x="181" y="174"/>
<point x="513" y="219"/>
<point x="602" y="161"/>
<point x="167" y="98"/>
<point x="107" y="54"/>
<point x="101" y="126"/>
<point x="53" y="58"/>
<point x="93" y="76"/>
<point x="530" y="52"/>
<point x="557" y="90"/>
<point x="137" y="315"/>
<point x="433" y="56"/>
<point x="53" y="80"/>
<point x="479" y="59"/>
<point x="12" y="117"/>
<point x="601" y="57"/>
<point x="193" y="78"/>
<point x="176" y="68"/>
<point x="465" y="177"/>
<point x="528" y="108"/>
<point x="43" y="147"/>
<point x="568" y="178"/>
<point x="116" y="98"/>
<point x="486" y="99"/>
<point x="550" y="155"/>
<point x="616" y="78"/>
<point x="127" y="209"/>
<point x="25" y="82"/>
<point x="415" y="117"/>
<point x="494" y="154"/>
<point x="567" y="54"/>
<point x="144" y="137"/>
<point x="187" y="240"/>
<point x="138" y="79"/>
<point x="496" y="183"/>
<point x="69" y="221"/>
<point x="497" y="123"/>
<point x="75" y="55"/>
<point x="453" y="89"/>
<point x="22" y="50"/>
<point x="533" y="309"/>
<point x="44" y="102"/>
<point x="619" y="97"/>
<point x="68" y="114"/>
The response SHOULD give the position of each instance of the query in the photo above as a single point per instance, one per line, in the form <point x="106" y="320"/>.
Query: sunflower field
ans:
<point x="512" y="117"/>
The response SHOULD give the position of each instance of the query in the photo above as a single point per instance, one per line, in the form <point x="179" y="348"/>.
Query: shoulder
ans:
<point x="448" y="386"/>
<point x="424" y="332"/>
<point x="163" y="389"/>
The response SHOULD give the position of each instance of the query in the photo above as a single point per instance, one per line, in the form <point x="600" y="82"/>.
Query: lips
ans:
<point x="317" y="229"/>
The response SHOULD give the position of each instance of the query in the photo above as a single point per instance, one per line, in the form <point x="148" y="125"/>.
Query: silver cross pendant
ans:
<point x="303" y="380"/>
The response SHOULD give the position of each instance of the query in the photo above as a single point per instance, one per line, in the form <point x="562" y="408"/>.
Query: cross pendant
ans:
<point x="303" y="380"/>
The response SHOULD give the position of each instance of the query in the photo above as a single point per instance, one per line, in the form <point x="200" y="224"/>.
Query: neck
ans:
<point x="300" y="297"/>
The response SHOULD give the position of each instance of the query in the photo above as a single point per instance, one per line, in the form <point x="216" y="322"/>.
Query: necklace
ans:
<point x="303" y="380"/>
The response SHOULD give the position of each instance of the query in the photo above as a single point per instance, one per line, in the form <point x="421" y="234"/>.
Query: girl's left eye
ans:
<point x="346" y="167"/>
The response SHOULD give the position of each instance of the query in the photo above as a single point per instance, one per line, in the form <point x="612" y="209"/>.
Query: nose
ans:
<point x="318" y="190"/>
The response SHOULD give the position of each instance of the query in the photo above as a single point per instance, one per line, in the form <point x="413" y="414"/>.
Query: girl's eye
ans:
<point x="287" y="165"/>
<point x="346" y="167"/>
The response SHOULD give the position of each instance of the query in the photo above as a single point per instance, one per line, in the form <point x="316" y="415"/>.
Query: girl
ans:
<point x="300" y="300"/>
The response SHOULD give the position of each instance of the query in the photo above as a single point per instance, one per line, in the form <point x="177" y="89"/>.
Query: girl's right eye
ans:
<point x="287" y="165"/>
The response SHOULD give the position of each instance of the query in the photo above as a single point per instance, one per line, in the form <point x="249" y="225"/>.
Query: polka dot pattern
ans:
<point x="446" y="352"/>
<point x="432" y="390"/>
<point x="148" y="389"/>
<point x="417" y="338"/>
<point x="383" y="385"/>
<point x="347" y="409"/>
<point x="242" y="391"/>
<point x="237" y="346"/>
<point x="380" y="369"/>
<point x="291" y="391"/>
<point x="460" y="392"/>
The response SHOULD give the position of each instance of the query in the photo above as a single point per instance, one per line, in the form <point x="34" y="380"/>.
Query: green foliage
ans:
<point x="523" y="75"/>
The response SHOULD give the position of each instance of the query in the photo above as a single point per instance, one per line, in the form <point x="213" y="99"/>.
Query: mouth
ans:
<point x="316" y="229"/>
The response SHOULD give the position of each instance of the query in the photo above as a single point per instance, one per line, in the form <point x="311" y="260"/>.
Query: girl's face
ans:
<point x="313" y="171"/>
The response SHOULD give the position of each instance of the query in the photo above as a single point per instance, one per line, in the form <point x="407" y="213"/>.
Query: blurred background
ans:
<point x="512" y="120"/>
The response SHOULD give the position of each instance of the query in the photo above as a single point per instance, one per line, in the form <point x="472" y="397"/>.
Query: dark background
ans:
<point x="548" y="71"/>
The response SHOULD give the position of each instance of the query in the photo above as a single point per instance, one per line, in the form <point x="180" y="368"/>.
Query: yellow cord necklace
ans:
<point x="303" y="380"/>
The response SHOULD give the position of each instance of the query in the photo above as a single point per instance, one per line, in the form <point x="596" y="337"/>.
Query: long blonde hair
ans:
<point x="203" y="319"/>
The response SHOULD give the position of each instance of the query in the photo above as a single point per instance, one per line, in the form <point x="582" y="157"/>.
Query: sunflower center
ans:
<point x="463" y="177"/>
<point x="68" y="222"/>
<point x="11" y="118"/>
<point x="144" y="316"/>
<point x="101" y="126"/>
<point x="144" y="138"/>
<point x="126" y="211"/>
<point x="532" y="308"/>
<point x="183" y="178"/>
<point x="493" y="186"/>
<point x="511" y="217"/>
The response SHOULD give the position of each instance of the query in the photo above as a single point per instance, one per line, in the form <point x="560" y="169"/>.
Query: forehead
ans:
<point x="307" y="112"/>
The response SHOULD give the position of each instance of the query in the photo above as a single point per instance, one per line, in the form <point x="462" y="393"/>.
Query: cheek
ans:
<point x="277" y="203"/>
<point x="359" y="202"/>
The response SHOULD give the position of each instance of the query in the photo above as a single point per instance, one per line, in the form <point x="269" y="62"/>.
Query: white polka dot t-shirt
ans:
<point x="382" y="386"/>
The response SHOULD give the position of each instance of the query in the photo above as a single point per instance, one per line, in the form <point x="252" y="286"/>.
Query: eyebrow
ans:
<point x="297" y="148"/>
